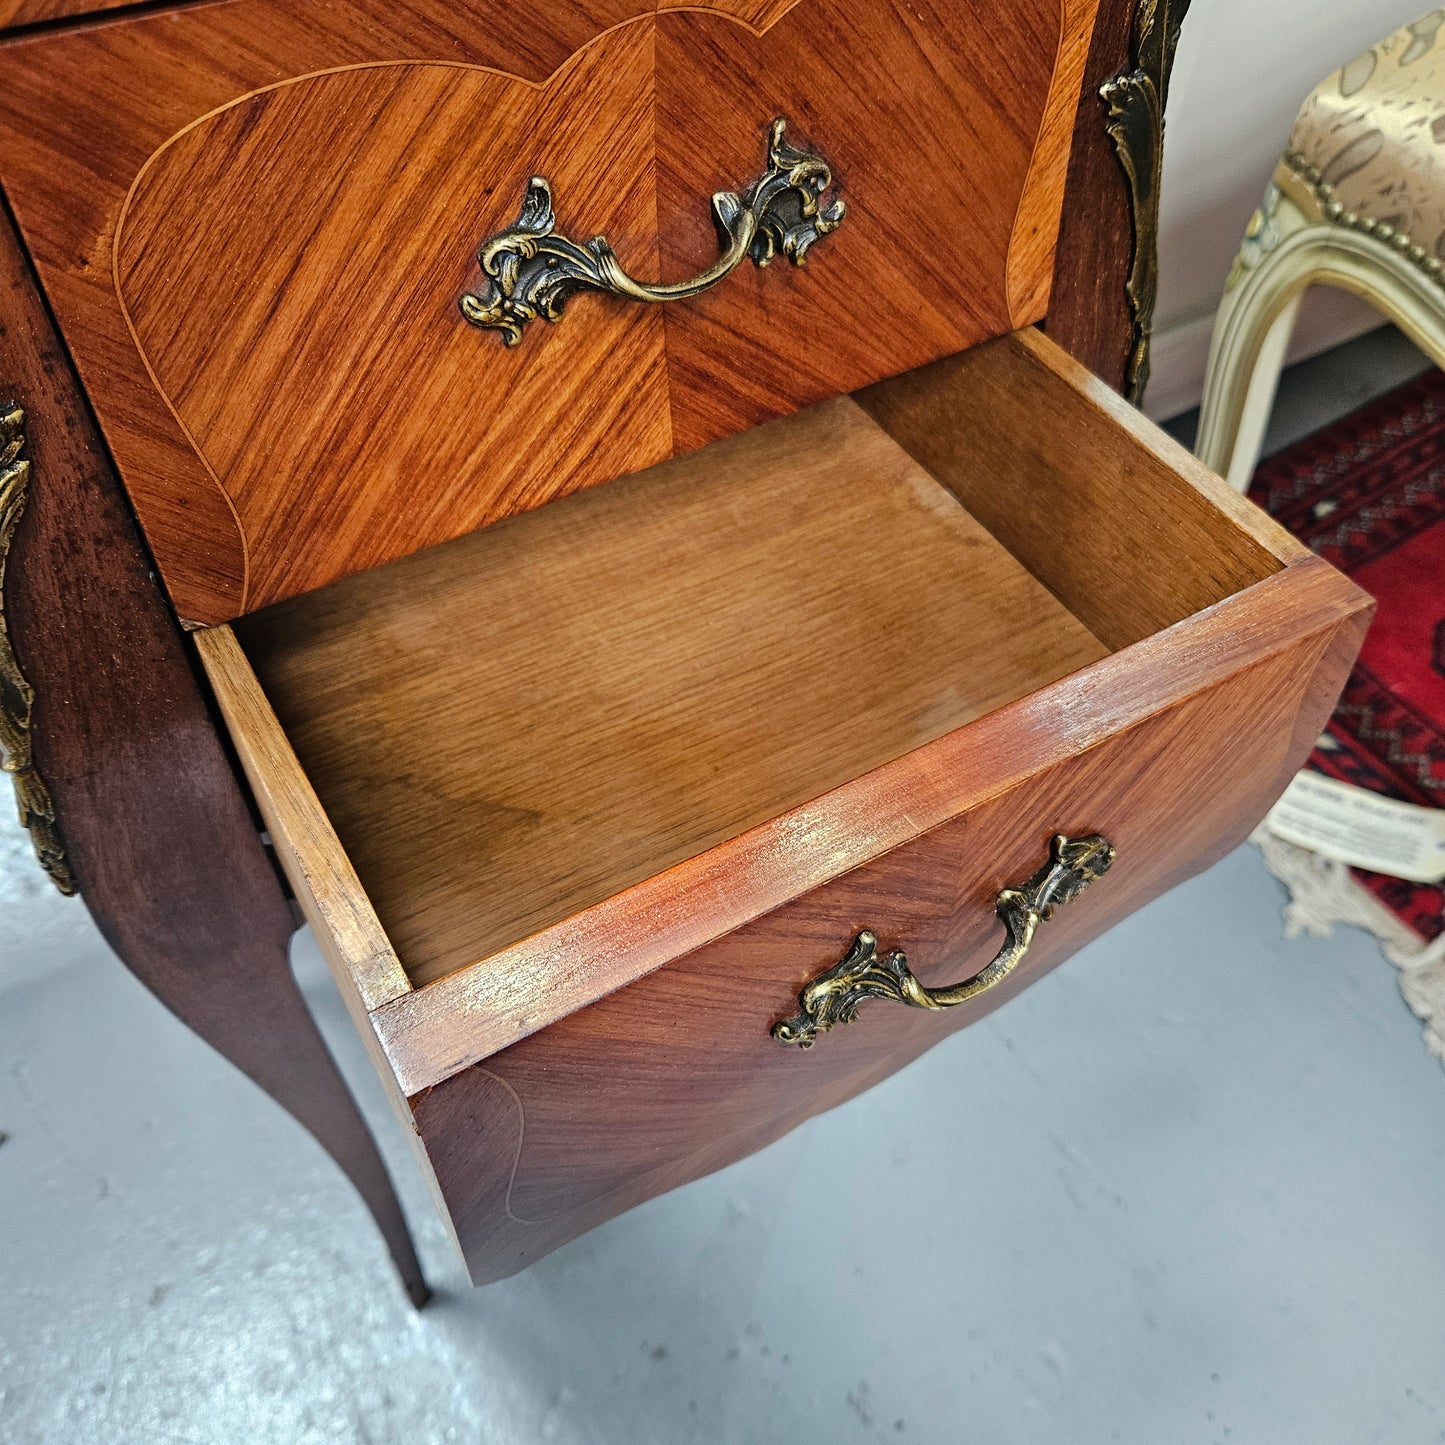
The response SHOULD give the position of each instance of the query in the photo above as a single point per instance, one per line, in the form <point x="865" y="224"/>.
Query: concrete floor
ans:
<point x="1189" y="1188"/>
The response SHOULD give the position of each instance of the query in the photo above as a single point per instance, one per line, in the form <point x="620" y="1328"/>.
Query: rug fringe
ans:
<point x="1322" y="894"/>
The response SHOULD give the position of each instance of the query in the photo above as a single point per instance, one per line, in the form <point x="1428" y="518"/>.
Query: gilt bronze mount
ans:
<point x="532" y="272"/>
<point x="833" y="997"/>
<point x="17" y="697"/>
<point x="1135" y="102"/>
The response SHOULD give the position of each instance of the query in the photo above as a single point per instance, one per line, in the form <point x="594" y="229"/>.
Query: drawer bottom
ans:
<point x="514" y="727"/>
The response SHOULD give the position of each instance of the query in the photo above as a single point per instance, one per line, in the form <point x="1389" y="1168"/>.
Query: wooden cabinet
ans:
<point x="601" y="693"/>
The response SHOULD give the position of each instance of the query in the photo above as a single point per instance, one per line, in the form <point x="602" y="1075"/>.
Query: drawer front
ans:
<point x="677" y="1074"/>
<point x="258" y="253"/>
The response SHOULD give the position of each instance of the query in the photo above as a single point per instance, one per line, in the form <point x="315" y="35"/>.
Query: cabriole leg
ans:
<point x="129" y="794"/>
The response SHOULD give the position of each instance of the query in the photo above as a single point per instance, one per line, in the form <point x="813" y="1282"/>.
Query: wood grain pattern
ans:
<point x="32" y="12"/>
<point x="298" y="824"/>
<point x="421" y="18"/>
<point x="676" y="1075"/>
<point x="930" y="113"/>
<point x="69" y="167"/>
<point x="1034" y="242"/>
<point x="157" y="829"/>
<point x="327" y="228"/>
<point x="1047" y="458"/>
<point x="514" y="727"/>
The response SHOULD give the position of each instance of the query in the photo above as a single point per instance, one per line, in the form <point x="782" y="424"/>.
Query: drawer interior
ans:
<point x="511" y="727"/>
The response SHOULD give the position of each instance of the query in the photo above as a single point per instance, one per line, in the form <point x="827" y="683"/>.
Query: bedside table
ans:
<point x="677" y="683"/>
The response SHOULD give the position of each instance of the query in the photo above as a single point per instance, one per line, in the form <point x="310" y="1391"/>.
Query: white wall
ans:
<point x="1243" y="68"/>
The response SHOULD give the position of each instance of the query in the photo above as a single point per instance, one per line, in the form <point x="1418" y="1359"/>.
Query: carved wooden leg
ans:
<point x="1288" y="248"/>
<point x="156" y="833"/>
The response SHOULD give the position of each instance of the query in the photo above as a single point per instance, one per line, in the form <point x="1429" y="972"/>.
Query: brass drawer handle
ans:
<point x="833" y="997"/>
<point x="531" y="272"/>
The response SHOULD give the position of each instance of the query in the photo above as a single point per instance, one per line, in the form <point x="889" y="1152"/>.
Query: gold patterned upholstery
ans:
<point x="1357" y="202"/>
<point x="1369" y="143"/>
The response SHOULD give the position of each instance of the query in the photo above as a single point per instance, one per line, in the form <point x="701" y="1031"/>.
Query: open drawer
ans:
<point x="581" y="804"/>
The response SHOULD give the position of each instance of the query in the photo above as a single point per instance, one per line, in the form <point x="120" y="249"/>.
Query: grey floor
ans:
<point x="1190" y="1188"/>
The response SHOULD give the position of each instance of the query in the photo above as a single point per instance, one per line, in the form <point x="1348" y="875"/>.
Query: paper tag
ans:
<point x="1360" y="828"/>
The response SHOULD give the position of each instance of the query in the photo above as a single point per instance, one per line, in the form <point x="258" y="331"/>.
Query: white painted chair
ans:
<point x="1358" y="202"/>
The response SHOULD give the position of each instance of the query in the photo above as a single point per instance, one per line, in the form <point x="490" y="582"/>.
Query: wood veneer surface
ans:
<point x="33" y="12"/>
<point x="676" y="1075"/>
<point x="514" y="726"/>
<point x="312" y="189"/>
<point x="1124" y="526"/>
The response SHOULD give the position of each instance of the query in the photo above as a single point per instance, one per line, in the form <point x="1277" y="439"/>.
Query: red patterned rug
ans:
<point x="1368" y="494"/>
